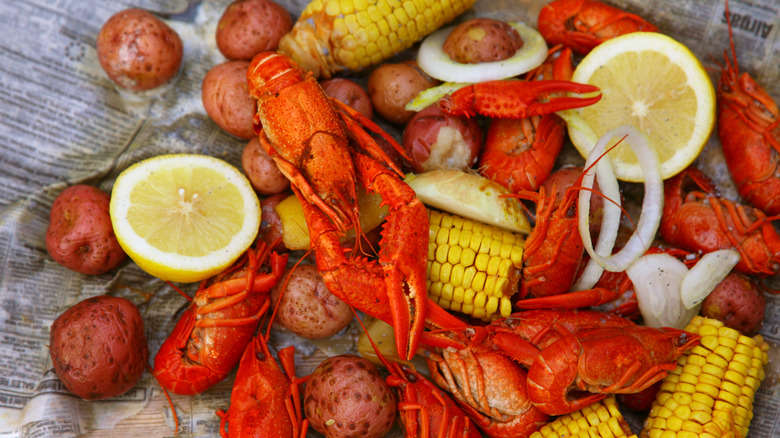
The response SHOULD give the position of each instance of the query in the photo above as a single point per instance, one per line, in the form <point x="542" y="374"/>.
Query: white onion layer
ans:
<point x="608" y="185"/>
<point x="652" y="203"/>
<point x="657" y="279"/>
<point x="702" y="278"/>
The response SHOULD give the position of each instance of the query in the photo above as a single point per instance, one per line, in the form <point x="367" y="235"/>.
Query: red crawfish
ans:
<point x="308" y="135"/>
<point x="583" y="24"/>
<point x="696" y="218"/>
<point x="212" y="334"/>
<point x="424" y="409"/>
<point x="265" y="401"/>
<point x="749" y="131"/>
<point x="519" y="153"/>
<point x="574" y="358"/>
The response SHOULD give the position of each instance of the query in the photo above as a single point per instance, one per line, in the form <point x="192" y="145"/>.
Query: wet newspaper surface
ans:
<point x="62" y="122"/>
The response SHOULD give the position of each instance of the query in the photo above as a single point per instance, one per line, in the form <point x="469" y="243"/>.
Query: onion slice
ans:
<point x="652" y="203"/>
<point x="702" y="278"/>
<point x="657" y="280"/>
<point x="434" y="61"/>
<point x="610" y="224"/>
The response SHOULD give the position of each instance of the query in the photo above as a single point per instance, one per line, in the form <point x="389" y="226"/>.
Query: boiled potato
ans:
<point x="350" y="93"/>
<point x="98" y="347"/>
<point x="226" y="98"/>
<point x="307" y="308"/>
<point x="737" y="302"/>
<point x="138" y="51"/>
<point x="437" y="140"/>
<point x="482" y="40"/>
<point x="248" y="27"/>
<point x="80" y="235"/>
<point x="261" y="170"/>
<point x="347" y="397"/>
<point x="392" y="85"/>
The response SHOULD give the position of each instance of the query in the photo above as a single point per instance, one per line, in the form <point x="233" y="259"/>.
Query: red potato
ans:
<point x="226" y="98"/>
<point x="307" y="308"/>
<point x="248" y="27"/>
<point x="437" y="140"/>
<point x="737" y="302"/>
<point x="350" y="93"/>
<point x="482" y="40"/>
<point x="391" y="86"/>
<point x="80" y="235"/>
<point x="138" y="51"/>
<point x="347" y="397"/>
<point x="98" y="347"/>
<point x="261" y="169"/>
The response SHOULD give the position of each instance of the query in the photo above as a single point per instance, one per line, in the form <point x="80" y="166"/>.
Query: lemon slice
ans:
<point x="653" y="83"/>
<point x="184" y="217"/>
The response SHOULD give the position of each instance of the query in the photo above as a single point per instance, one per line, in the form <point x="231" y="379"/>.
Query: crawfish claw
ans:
<point x="517" y="99"/>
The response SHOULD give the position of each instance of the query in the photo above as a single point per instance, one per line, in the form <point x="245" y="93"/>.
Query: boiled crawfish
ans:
<point x="520" y="153"/>
<point x="213" y="332"/>
<point x="424" y="409"/>
<point x="306" y="136"/>
<point x="574" y="358"/>
<point x="696" y="218"/>
<point x="749" y="131"/>
<point x="583" y="24"/>
<point x="265" y="401"/>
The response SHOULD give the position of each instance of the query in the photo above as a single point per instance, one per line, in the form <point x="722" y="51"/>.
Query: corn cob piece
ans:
<point x="602" y="419"/>
<point x="710" y="393"/>
<point x="336" y="35"/>
<point x="473" y="268"/>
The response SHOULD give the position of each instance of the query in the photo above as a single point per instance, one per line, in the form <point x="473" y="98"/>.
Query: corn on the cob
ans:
<point x="473" y="268"/>
<point x="602" y="419"/>
<point x="710" y="393"/>
<point x="336" y="35"/>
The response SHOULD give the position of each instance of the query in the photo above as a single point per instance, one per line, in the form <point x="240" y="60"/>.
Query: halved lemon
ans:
<point x="653" y="83"/>
<point x="184" y="217"/>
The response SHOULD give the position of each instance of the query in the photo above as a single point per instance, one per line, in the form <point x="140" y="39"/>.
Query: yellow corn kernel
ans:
<point x="724" y="377"/>
<point x="471" y="263"/>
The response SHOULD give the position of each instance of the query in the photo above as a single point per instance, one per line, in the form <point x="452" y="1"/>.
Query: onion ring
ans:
<point x="652" y="203"/>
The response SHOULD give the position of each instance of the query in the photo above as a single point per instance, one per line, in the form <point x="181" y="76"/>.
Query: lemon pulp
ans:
<point x="184" y="217"/>
<point x="656" y="85"/>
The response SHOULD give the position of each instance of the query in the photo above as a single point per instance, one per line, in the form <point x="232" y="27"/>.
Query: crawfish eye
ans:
<point x="571" y="211"/>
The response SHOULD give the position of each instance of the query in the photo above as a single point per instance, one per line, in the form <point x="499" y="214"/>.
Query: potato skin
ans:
<point x="138" y="51"/>
<point x="482" y="40"/>
<point x="80" y="235"/>
<point x="347" y="397"/>
<point x="248" y="27"/>
<point x="261" y="169"/>
<point x="307" y="308"/>
<point x="350" y="93"/>
<point x="437" y="140"/>
<point x="738" y="303"/>
<point x="98" y="347"/>
<point x="226" y="98"/>
<point x="392" y="85"/>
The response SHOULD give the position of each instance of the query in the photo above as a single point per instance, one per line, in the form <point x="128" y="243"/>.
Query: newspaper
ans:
<point x="62" y="122"/>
